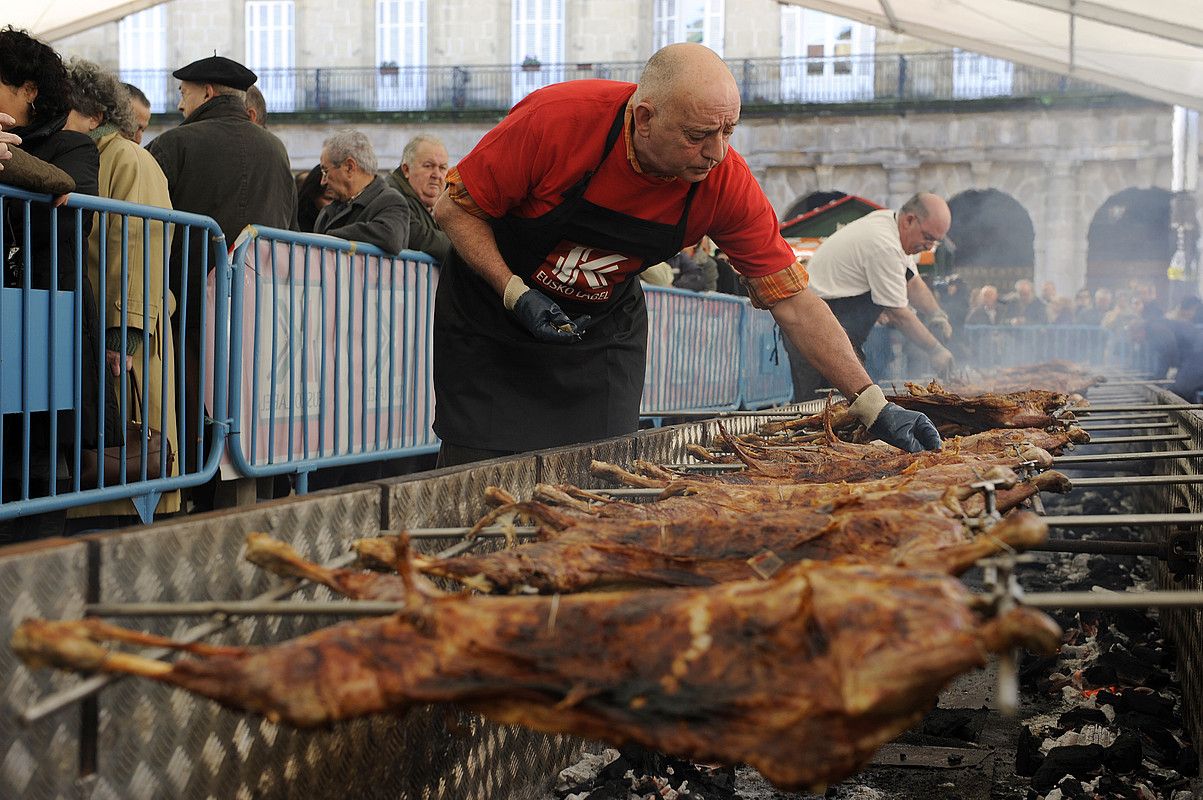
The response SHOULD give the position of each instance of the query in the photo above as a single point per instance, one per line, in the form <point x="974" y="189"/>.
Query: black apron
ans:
<point x="856" y="316"/>
<point x="498" y="388"/>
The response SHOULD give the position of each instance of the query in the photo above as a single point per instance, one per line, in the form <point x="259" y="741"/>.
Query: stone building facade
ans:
<point x="1059" y="164"/>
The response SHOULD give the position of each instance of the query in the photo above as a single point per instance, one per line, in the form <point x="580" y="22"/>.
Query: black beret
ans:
<point x="218" y="70"/>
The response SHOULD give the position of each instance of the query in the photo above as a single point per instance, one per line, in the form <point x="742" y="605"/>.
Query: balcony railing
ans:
<point x="872" y="79"/>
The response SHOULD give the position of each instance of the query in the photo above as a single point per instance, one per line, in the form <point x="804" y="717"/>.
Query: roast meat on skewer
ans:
<point x="803" y="676"/>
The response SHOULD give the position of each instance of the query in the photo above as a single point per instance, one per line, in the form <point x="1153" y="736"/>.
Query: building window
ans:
<point x="270" y="51"/>
<point x="538" y="45"/>
<point x="824" y="58"/>
<point x="975" y="75"/>
<point x="400" y="54"/>
<point x="699" y="21"/>
<point x="142" y="56"/>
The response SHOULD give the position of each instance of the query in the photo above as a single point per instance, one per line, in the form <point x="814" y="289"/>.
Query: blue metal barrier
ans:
<point x="986" y="346"/>
<point x="331" y="342"/>
<point x="52" y="363"/>
<point x="693" y="347"/>
<point x="764" y="376"/>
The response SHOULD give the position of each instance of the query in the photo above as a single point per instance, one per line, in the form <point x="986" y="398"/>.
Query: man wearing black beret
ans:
<point x="220" y="164"/>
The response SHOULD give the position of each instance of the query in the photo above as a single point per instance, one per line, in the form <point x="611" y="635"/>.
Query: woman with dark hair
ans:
<point x="101" y="109"/>
<point x="312" y="197"/>
<point x="35" y="93"/>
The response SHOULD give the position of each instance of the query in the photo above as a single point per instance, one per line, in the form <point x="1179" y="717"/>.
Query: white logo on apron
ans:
<point x="576" y="268"/>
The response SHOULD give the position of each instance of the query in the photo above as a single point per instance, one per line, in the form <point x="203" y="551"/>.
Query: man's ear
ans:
<point x="405" y="169"/>
<point x="210" y="92"/>
<point x="643" y="117"/>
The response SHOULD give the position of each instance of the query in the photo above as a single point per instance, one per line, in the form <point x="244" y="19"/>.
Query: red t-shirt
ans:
<point x="556" y="134"/>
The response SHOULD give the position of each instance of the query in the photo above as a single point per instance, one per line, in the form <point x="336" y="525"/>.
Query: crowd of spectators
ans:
<point x="1021" y="306"/>
<point x="81" y="131"/>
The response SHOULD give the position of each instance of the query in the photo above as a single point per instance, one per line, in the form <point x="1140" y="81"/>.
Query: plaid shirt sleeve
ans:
<point x="457" y="192"/>
<point x="766" y="291"/>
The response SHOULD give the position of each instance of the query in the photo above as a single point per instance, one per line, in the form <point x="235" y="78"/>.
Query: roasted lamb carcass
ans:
<point x="722" y="533"/>
<point x="849" y="462"/>
<point x="627" y="553"/>
<point x="1058" y="375"/>
<point x="953" y="414"/>
<point x="802" y="676"/>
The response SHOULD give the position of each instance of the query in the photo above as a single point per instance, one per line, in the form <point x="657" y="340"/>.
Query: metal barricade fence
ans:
<point x="693" y="347"/>
<point x="67" y="436"/>
<point x="331" y="344"/>
<point x="764" y="375"/>
<point x="987" y="346"/>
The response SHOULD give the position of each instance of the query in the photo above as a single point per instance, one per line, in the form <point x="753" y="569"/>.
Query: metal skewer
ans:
<point x="1128" y="426"/>
<point x="1163" y="437"/>
<point x="90" y="686"/>
<point x="1138" y="480"/>
<point x="1135" y="599"/>
<point x="1136" y="407"/>
<point x="1118" y="457"/>
<point x="239" y="608"/>
<point x="1123" y="520"/>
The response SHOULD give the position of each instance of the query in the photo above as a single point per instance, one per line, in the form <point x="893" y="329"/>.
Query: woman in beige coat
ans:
<point x="101" y="109"/>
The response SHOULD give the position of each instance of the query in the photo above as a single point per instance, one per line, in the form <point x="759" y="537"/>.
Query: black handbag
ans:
<point x="90" y="460"/>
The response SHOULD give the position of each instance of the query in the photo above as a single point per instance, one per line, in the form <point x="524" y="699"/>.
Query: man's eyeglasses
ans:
<point x="928" y="239"/>
<point x="326" y="171"/>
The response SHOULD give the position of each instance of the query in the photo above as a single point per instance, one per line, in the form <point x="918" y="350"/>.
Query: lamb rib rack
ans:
<point x="1058" y="375"/>
<point x="802" y="676"/>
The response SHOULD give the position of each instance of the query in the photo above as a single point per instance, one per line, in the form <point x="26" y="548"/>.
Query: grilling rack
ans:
<point x="1130" y="410"/>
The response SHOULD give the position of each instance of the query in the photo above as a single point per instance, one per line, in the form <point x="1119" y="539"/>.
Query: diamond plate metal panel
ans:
<point x="1183" y="626"/>
<point x="571" y="464"/>
<point x="455" y="496"/>
<point x="667" y="445"/>
<point x="42" y="760"/>
<point x="159" y="742"/>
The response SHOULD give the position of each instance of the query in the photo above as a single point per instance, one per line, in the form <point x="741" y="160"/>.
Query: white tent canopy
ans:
<point x="54" y="19"/>
<point x="1152" y="49"/>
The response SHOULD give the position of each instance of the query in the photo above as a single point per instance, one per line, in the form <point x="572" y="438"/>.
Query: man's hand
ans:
<point x="113" y="359"/>
<point x="941" y="361"/>
<point x="540" y="315"/>
<point x="7" y="139"/>
<point x="939" y="325"/>
<point x="893" y="424"/>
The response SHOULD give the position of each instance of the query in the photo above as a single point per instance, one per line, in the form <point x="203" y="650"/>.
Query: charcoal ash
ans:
<point x="636" y="772"/>
<point x="1120" y="731"/>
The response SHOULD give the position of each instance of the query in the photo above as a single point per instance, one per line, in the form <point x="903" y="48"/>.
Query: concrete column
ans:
<point x="981" y="172"/>
<point x="1061" y="233"/>
<point x="902" y="181"/>
<point x="824" y="177"/>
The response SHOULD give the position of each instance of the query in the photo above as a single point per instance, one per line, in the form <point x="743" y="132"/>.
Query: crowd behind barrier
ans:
<point x="60" y="399"/>
<point x="317" y="354"/>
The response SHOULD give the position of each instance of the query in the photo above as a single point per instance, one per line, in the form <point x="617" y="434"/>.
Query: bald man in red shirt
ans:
<point x="540" y="322"/>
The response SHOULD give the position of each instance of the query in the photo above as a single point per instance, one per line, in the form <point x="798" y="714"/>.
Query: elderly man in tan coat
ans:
<point x="101" y="109"/>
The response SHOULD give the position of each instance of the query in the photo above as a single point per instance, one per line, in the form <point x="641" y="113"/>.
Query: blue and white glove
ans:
<point x="540" y="315"/>
<point x="909" y="430"/>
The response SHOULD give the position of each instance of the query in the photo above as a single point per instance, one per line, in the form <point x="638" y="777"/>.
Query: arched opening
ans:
<point x="993" y="237"/>
<point x="1130" y="239"/>
<point x="810" y="202"/>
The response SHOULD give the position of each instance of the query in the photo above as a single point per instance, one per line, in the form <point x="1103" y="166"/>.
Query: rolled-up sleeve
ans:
<point x="766" y="291"/>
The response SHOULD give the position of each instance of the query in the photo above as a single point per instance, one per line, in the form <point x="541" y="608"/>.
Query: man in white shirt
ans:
<point x="868" y="268"/>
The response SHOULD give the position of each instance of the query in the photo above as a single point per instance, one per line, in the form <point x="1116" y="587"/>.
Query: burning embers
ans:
<point x="1110" y="713"/>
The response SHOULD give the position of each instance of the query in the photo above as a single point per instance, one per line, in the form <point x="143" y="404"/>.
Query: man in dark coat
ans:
<point x="421" y="178"/>
<point x="220" y="164"/>
<point x="365" y="209"/>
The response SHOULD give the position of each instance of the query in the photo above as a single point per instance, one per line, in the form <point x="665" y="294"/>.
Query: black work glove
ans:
<point x="540" y="315"/>
<point x="910" y="430"/>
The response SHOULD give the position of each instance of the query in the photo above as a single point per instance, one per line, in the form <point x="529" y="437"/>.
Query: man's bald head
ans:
<point x="686" y="107"/>
<point x="923" y="222"/>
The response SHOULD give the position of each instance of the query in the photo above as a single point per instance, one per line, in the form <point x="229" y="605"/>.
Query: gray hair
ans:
<point x="254" y="99"/>
<point x="97" y="92"/>
<point x="354" y="144"/>
<point x="410" y="153"/>
<point x="915" y="206"/>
